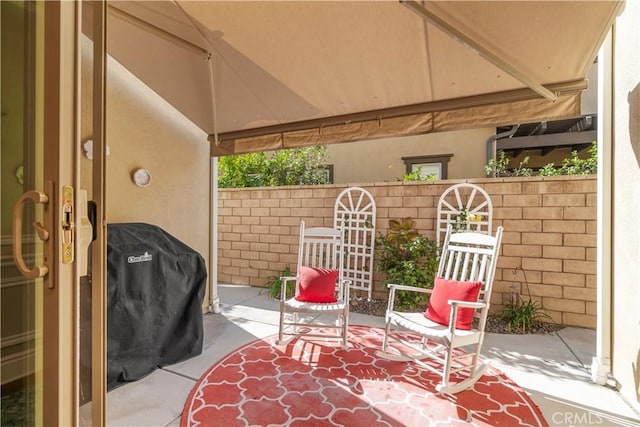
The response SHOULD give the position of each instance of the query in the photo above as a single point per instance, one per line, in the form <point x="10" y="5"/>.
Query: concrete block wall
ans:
<point x="548" y="250"/>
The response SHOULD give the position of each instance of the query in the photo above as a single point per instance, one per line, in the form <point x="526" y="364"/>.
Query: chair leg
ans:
<point x="385" y="340"/>
<point x="446" y="369"/>
<point x="345" y="329"/>
<point x="281" y="326"/>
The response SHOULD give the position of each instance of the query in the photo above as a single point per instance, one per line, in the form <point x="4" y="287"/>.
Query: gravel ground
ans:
<point x="494" y="324"/>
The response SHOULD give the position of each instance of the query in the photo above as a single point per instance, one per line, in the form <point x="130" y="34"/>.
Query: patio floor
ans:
<point x="553" y="368"/>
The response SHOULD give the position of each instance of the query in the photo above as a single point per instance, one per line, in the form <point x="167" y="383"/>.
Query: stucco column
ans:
<point x="601" y="364"/>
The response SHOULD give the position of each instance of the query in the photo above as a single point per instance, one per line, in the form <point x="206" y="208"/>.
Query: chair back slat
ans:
<point x="449" y="258"/>
<point x="483" y="267"/>
<point x="456" y="269"/>
<point x="465" y="265"/>
<point x="474" y="265"/>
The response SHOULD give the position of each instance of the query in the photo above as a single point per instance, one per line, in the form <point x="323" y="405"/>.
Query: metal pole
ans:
<point x="479" y="49"/>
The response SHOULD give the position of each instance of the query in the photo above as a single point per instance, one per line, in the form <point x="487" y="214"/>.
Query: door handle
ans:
<point x="38" y="198"/>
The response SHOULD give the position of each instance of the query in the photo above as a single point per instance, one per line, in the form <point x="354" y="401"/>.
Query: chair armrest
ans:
<point x="469" y="304"/>
<point x="392" y="295"/>
<point x="455" y="304"/>
<point x="393" y="287"/>
<point x="345" y="287"/>
<point x="283" y="288"/>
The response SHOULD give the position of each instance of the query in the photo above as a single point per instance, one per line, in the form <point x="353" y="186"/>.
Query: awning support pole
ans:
<point x="214" y="298"/>
<point x="478" y="49"/>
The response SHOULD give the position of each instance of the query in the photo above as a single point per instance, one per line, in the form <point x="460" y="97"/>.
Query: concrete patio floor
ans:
<point x="553" y="368"/>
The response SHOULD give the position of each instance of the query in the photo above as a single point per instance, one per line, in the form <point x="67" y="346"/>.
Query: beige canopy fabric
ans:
<point x="275" y="74"/>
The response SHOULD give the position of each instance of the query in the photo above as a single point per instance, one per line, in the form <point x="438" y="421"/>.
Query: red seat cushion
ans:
<point x="317" y="285"/>
<point x="438" y="309"/>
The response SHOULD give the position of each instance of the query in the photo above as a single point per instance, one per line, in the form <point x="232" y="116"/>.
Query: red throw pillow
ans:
<point x="317" y="285"/>
<point x="438" y="309"/>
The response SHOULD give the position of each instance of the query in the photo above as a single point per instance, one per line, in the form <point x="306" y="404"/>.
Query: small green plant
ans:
<point x="417" y="175"/>
<point x="577" y="166"/>
<point x="521" y="314"/>
<point x="549" y="170"/>
<point x="408" y="258"/>
<point x="500" y="167"/>
<point x="274" y="283"/>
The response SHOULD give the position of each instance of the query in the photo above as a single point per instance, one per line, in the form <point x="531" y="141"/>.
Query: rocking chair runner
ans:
<point x="320" y="287"/>
<point x="462" y="292"/>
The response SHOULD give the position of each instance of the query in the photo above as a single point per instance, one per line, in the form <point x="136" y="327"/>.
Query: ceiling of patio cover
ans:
<point x="291" y="74"/>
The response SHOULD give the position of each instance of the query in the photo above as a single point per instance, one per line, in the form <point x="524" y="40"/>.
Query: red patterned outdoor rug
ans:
<point x="310" y="382"/>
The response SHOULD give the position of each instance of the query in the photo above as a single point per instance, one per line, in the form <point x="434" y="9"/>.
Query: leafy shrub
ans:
<point x="295" y="166"/>
<point x="407" y="258"/>
<point x="573" y="165"/>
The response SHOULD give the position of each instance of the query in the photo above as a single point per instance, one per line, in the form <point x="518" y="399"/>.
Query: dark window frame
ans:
<point x="329" y="170"/>
<point x="443" y="159"/>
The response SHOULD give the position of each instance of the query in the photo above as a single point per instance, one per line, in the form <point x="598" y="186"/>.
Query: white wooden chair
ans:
<point x="320" y="288"/>
<point x="467" y="267"/>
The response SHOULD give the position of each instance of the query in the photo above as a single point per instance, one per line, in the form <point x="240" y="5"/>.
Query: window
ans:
<point x="329" y="171"/>
<point x="435" y="164"/>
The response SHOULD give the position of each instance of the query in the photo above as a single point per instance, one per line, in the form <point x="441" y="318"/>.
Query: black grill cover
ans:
<point x="155" y="289"/>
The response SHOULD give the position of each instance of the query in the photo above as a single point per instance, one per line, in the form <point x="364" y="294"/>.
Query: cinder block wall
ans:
<point x="548" y="249"/>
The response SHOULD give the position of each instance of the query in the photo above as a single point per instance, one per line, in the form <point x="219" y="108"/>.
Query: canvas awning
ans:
<point x="289" y="74"/>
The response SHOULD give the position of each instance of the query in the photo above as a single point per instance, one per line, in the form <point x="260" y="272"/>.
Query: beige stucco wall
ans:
<point x="144" y="131"/>
<point x="381" y="160"/>
<point x="626" y="199"/>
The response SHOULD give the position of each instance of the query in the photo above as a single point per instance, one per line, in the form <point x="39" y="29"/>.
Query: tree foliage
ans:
<point x="296" y="166"/>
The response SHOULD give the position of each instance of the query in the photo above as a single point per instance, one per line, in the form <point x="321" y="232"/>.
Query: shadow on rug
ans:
<point x="313" y="382"/>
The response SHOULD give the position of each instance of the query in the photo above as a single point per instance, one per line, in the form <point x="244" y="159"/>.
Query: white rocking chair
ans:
<point x="459" y="303"/>
<point x="320" y="288"/>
